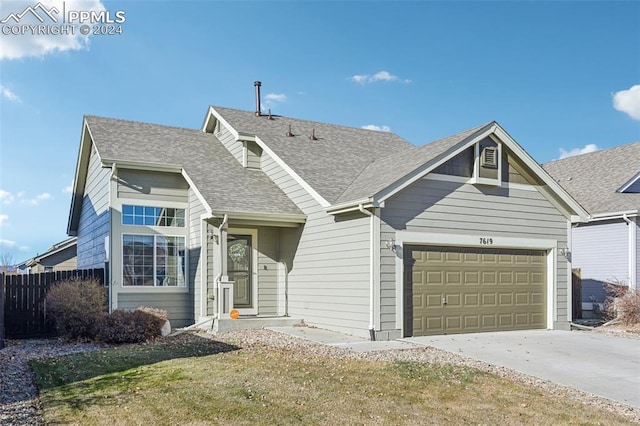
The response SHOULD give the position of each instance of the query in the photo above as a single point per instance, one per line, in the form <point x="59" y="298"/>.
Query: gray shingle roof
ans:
<point x="592" y="179"/>
<point x="329" y="164"/>
<point x="386" y="171"/>
<point x="222" y="181"/>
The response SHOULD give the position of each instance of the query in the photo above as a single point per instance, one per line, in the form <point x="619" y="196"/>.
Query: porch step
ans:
<point x="244" y="323"/>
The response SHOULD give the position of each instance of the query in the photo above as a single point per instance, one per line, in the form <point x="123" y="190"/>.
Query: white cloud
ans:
<point x="7" y="243"/>
<point x="379" y="76"/>
<point x="3" y="220"/>
<point x="6" y="197"/>
<point x="16" y="46"/>
<point x="276" y="97"/>
<point x="9" y="95"/>
<point x="577" y="151"/>
<point x="68" y="189"/>
<point x="377" y="128"/>
<point x="628" y="101"/>
<point x="39" y="198"/>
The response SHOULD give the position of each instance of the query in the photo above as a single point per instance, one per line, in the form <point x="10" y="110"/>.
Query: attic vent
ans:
<point x="489" y="157"/>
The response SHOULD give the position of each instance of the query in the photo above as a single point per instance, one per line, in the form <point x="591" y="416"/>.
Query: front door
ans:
<point x="240" y="270"/>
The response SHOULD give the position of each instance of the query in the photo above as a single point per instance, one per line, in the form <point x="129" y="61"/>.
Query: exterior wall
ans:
<point x="66" y="260"/>
<point x="196" y="254"/>
<point x="268" y="254"/>
<point x="159" y="190"/>
<point x="229" y="141"/>
<point x="93" y="227"/>
<point x="637" y="253"/>
<point x="435" y="206"/>
<point x="327" y="260"/>
<point x="600" y="250"/>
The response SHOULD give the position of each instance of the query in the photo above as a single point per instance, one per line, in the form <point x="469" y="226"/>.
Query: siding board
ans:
<point x="455" y="208"/>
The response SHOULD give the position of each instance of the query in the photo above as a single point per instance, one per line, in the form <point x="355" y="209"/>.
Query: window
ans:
<point x="152" y="216"/>
<point x="153" y="261"/>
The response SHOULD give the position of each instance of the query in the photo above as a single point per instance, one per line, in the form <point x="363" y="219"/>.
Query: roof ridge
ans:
<point x="324" y="123"/>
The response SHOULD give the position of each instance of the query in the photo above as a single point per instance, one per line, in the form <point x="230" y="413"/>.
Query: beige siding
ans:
<point x="328" y="262"/>
<point x="94" y="216"/>
<point x="153" y="189"/>
<point x="230" y="142"/>
<point x="268" y="271"/>
<point x="176" y="304"/>
<point x="154" y="186"/>
<point x="456" y="208"/>
<point x="194" y="243"/>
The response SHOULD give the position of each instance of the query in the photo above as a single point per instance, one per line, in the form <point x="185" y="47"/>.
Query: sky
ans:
<point x="562" y="77"/>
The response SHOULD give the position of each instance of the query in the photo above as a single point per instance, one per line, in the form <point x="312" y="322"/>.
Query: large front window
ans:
<point x="153" y="260"/>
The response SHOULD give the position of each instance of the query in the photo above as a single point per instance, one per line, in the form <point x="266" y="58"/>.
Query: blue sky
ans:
<point x="560" y="77"/>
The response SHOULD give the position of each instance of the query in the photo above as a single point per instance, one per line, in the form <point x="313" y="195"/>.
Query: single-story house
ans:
<point x="348" y="229"/>
<point x="59" y="257"/>
<point x="605" y="249"/>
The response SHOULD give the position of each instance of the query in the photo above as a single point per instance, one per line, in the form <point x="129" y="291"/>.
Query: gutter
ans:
<point x="372" y="333"/>
<point x="632" y="251"/>
<point x="614" y="215"/>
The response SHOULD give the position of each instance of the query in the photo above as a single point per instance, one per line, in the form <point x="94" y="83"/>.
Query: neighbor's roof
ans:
<point x="593" y="179"/>
<point x="56" y="248"/>
<point x="329" y="164"/>
<point x="217" y="175"/>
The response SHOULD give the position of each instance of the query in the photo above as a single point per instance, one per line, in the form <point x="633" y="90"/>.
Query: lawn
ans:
<point x="199" y="381"/>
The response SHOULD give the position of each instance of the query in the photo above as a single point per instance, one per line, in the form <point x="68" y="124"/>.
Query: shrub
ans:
<point x="75" y="307"/>
<point x="623" y="304"/>
<point x="132" y="326"/>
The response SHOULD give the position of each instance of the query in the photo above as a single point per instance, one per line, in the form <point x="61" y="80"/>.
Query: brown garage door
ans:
<point x="468" y="290"/>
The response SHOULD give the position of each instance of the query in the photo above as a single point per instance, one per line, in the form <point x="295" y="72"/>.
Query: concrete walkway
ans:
<point x="599" y="364"/>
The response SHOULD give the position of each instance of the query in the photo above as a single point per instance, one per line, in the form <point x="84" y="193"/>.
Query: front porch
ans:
<point x="245" y="267"/>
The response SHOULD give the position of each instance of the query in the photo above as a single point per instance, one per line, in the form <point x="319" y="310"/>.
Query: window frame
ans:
<point x="155" y="286"/>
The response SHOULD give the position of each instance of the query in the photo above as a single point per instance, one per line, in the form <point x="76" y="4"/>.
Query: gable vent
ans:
<point x="489" y="157"/>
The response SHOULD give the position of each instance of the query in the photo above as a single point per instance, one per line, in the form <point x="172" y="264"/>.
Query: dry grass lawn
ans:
<point x="199" y="382"/>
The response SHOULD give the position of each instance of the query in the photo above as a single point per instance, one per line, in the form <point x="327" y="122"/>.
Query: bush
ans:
<point x="140" y="325"/>
<point x="75" y="307"/>
<point x="623" y="304"/>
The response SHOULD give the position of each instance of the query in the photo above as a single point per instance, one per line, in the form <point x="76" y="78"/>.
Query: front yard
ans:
<point x="193" y="379"/>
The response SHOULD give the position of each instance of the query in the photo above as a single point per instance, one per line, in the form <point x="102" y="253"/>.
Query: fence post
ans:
<point x="2" y="298"/>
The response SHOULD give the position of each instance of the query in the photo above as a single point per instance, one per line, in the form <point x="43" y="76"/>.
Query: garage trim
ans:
<point x="476" y="241"/>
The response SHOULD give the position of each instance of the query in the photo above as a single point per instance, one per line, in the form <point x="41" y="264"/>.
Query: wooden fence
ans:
<point x="22" y="299"/>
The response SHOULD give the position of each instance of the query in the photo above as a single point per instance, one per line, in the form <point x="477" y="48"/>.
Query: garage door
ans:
<point x="468" y="290"/>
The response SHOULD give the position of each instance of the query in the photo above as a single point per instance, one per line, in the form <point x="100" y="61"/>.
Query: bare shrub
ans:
<point x="75" y="307"/>
<point x="140" y="325"/>
<point x="623" y="303"/>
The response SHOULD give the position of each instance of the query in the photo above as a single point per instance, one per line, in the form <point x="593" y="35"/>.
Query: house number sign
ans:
<point x="485" y="241"/>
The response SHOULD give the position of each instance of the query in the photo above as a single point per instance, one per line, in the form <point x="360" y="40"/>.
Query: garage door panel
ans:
<point x="484" y="289"/>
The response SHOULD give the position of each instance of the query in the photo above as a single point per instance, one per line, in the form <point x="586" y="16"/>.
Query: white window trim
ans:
<point x="158" y="289"/>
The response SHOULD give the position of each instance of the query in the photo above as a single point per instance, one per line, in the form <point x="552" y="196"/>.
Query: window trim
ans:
<point x="155" y="287"/>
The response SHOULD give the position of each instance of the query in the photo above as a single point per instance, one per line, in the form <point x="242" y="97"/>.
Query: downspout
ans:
<point x="114" y="170"/>
<point x="632" y="251"/>
<point x="216" y="280"/>
<point x="372" y="332"/>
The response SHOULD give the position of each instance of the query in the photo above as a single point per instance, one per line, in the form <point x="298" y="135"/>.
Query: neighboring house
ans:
<point x="348" y="229"/>
<point x="607" y="184"/>
<point x="58" y="257"/>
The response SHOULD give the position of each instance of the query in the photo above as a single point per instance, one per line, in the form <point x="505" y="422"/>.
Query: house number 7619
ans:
<point x="486" y="240"/>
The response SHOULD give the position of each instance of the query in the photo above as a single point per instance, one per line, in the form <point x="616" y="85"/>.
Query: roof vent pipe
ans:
<point x="257" y="84"/>
<point x="313" y="135"/>
<point x="289" y="132"/>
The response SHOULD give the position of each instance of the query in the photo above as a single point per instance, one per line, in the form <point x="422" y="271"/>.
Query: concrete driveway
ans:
<point x="603" y="365"/>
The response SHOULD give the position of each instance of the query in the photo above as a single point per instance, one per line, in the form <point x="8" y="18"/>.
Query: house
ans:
<point x="59" y="257"/>
<point x="605" y="249"/>
<point x="354" y="230"/>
